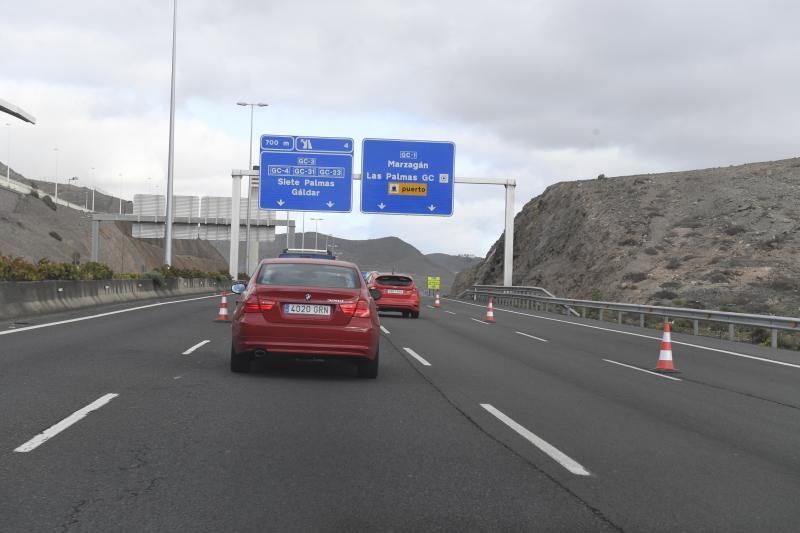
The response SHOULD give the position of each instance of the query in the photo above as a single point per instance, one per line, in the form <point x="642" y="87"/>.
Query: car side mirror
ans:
<point x="375" y="293"/>
<point x="238" y="288"/>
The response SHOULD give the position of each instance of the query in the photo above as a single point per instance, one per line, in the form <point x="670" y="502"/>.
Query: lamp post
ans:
<point x="316" y="232"/>
<point x="70" y="180"/>
<point x="56" y="192"/>
<point x="8" y="156"/>
<point x="171" y="157"/>
<point x="121" y="183"/>
<point x="252" y="105"/>
<point x="94" y="186"/>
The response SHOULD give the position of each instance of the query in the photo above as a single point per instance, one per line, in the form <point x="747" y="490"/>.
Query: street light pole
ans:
<point x="171" y="158"/>
<point x="56" y="192"/>
<point x="8" y="157"/>
<point x="94" y="186"/>
<point x="252" y="106"/>
<point x="316" y="232"/>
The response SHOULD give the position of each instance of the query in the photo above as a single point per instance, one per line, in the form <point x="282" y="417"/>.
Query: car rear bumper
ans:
<point x="386" y="304"/>
<point x="348" y="341"/>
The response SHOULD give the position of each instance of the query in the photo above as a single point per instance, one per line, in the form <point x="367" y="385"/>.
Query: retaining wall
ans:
<point x="26" y="298"/>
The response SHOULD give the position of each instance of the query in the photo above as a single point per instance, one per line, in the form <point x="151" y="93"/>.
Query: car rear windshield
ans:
<point x="395" y="281"/>
<point x="307" y="275"/>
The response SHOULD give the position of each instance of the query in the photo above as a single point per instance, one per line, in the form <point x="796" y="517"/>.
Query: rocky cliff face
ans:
<point x="724" y="238"/>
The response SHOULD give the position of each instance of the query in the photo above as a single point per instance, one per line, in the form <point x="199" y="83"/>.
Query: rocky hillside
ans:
<point x="31" y="229"/>
<point x="724" y="238"/>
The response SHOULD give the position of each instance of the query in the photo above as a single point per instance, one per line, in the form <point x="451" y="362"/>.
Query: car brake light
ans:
<point x="362" y="309"/>
<point x="256" y="305"/>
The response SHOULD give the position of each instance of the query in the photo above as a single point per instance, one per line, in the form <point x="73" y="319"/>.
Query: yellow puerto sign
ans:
<point x="408" y="189"/>
<point x="434" y="282"/>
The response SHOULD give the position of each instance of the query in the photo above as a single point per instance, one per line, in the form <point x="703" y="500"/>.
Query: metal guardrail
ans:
<point x="24" y="188"/>
<point x="524" y="290"/>
<point x="516" y="298"/>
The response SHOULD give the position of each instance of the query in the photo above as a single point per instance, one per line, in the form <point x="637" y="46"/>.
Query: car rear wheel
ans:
<point x="406" y="314"/>
<point x="240" y="362"/>
<point x="415" y="314"/>
<point x="368" y="368"/>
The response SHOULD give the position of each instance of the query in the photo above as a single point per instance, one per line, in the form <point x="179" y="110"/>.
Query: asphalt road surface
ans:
<point x="132" y="422"/>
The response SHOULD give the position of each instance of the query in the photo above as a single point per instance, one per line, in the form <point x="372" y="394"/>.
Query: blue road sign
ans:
<point x="407" y="177"/>
<point x="322" y="145"/>
<point x="306" y="173"/>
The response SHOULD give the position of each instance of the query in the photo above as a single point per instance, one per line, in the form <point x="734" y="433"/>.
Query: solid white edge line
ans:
<point x="110" y="313"/>
<point x="718" y="350"/>
<point x="476" y="320"/>
<point x="531" y="336"/>
<point x="642" y="370"/>
<point x="196" y="346"/>
<point x="450" y="312"/>
<point x="416" y="356"/>
<point x="557" y="455"/>
<point x="54" y="430"/>
<point x="383" y="329"/>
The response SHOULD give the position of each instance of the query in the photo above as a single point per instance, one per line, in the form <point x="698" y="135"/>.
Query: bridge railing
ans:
<point x="538" y="299"/>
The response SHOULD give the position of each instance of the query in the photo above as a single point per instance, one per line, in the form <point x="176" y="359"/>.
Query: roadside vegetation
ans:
<point x="18" y="269"/>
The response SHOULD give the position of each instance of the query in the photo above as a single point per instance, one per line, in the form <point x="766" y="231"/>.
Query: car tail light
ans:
<point x="362" y="309"/>
<point x="255" y="304"/>
<point x="359" y="309"/>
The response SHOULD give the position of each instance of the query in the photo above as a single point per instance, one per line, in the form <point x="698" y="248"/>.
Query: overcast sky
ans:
<point x="541" y="91"/>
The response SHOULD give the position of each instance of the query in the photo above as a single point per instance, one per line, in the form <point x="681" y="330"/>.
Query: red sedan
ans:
<point x="306" y="308"/>
<point x="398" y="293"/>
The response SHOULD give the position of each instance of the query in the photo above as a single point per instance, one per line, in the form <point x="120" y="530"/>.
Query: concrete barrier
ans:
<point x="27" y="298"/>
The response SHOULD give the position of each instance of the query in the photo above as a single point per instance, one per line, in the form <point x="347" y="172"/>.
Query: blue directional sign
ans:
<point x="407" y="177"/>
<point x="306" y="173"/>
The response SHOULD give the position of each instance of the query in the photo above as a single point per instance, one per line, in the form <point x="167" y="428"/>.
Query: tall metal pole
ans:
<point x="287" y="230"/>
<point x="171" y="162"/>
<point x="94" y="187"/>
<point x="249" y="189"/>
<point x="56" y="193"/>
<point x="303" y="246"/>
<point x="508" y="255"/>
<point x="8" y="157"/>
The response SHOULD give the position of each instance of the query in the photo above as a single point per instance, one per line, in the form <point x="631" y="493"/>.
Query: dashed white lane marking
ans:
<point x="481" y="321"/>
<point x="177" y="377"/>
<point x="531" y="336"/>
<point x="557" y="455"/>
<point x="110" y="313"/>
<point x="54" y="430"/>
<point x="431" y="307"/>
<point x="417" y="356"/>
<point x="383" y="329"/>
<point x="718" y="350"/>
<point x="449" y="312"/>
<point x="642" y="370"/>
<point x="196" y="346"/>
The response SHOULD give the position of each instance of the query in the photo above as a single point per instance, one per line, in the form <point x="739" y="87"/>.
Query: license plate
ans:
<point x="394" y="291"/>
<point x="307" y="309"/>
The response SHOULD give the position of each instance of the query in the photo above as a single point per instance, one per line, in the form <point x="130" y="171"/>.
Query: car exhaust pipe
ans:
<point x="260" y="353"/>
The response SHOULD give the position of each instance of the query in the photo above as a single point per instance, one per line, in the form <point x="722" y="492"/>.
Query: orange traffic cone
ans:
<point x="436" y="302"/>
<point x="490" y="312"/>
<point x="665" y="356"/>
<point x="223" y="309"/>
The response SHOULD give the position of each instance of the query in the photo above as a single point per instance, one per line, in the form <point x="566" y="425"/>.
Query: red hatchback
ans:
<point x="398" y="293"/>
<point x="306" y="308"/>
